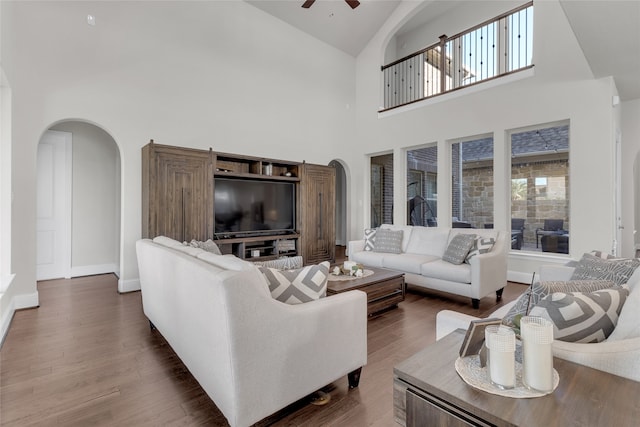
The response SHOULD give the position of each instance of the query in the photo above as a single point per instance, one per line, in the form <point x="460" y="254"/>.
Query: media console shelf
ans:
<point x="178" y="201"/>
<point x="254" y="167"/>
<point x="267" y="247"/>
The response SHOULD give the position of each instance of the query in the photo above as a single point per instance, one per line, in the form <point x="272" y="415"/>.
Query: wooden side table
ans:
<point x="429" y="392"/>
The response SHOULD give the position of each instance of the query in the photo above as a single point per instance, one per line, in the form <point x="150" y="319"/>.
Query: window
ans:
<point x="472" y="183"/>
<point x="422" y="186"/>
<point x="540" y="187"/>
<point x="381" y="190"/>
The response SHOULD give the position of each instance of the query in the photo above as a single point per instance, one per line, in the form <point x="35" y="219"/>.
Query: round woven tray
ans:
<point x="470" y="371"/>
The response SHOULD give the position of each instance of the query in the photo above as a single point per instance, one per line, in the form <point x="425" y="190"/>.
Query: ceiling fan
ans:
<point x="353" y="3"/>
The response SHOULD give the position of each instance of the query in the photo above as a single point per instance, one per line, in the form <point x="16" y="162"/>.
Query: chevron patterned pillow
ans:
<point x="369" y="238"/>
<point x="583" y="317"/>
<point x="297" y="286"/>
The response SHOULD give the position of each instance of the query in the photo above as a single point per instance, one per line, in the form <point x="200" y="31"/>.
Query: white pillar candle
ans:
<point x="537" y="354"/>
<point x="348" y="265"/>
<point x="502" y="363"/>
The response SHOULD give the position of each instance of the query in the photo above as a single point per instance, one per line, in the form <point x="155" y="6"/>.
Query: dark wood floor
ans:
<point x="86" y="356"/>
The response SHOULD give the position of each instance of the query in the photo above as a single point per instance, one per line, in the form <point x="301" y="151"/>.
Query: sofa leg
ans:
<point x="499" y="294"/>
<point x="475" y="303"/>
<point x="354" y="378"/>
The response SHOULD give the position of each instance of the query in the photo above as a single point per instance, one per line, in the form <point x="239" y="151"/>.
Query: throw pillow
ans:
<point x="539" y="290"/>
<point x="458" y="248"/>
<point x="582" y="317"/>
<point x="616" y="269"/>
<point x="369" y="238"/>
<point x="389" y="241"/>
<point x="481" y="245"/>
<point x="209" y="246"/>
<point x="629" y="320"/>
<point x="297" y="286"/>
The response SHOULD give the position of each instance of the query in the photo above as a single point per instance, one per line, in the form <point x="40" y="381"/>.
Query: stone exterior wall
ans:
<point x="542" y="202"/>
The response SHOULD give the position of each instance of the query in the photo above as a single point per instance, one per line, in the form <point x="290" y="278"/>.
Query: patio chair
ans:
<point x="517" y="232"/>
<point x="550" y="227"/>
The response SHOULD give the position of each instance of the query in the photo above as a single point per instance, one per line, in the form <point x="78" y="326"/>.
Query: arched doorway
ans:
<point x="341" y="203"/>
<point x="93" y="234"/>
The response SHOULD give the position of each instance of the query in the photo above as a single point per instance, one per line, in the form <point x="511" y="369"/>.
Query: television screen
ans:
<point x="251" y="206"/>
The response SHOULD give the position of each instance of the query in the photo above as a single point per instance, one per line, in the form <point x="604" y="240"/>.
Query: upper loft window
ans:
<point x="492" y="49"/>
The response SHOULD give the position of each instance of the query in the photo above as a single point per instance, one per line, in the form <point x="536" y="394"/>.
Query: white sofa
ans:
<point x="420" y="260"/>
<point x="252" y="354"/>
<point x="617" y="355"/>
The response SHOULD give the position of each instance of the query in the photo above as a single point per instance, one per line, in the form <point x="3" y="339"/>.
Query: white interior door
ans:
<point x="54" y="206"/>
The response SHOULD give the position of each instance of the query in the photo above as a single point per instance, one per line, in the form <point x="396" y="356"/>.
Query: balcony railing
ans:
<point x="492" y="49"/>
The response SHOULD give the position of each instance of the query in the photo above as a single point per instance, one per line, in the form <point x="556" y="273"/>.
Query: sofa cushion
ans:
<point x="369" y="238"/>
<point x="540" y="290"/>
<point x="388" y="241"/>
<point x="444" y="270"/>
<point x="629" y="320"/>
<point x="428" y="241"/>
<point x="225" y="262"/>
<point x="458" y="248"/>
<point x="407" y="230"/>
<point x="481" y="245"/>
<point x="166" y="241"/>
<point x="408" y="263"/>
<point x="189" y="250"/>
<point x="619" y="270"/>
<point x="297" y="286"/>
<point x="582" y="317"/>
<point x="374" y="259"/>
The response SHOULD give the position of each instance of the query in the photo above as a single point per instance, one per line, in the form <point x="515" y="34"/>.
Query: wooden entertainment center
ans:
<point x="178" y="187"/>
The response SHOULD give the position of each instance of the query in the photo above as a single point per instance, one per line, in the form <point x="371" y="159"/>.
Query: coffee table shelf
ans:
<point x="384" y="289"/>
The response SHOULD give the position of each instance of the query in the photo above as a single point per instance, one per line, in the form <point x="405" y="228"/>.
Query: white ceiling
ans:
<point x="333" y="21"/>
<point x="608" y="30"/>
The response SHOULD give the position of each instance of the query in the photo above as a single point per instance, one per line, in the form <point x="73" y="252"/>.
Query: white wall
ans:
<point x="630" y="176"/>
<point x="562" y="88"/>
<point x="198" y="74"/>
<point x="95" y="227"/>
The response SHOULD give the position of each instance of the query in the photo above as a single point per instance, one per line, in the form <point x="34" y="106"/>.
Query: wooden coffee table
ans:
<point x="384" y="288"/>
<point x="428" y="391"/>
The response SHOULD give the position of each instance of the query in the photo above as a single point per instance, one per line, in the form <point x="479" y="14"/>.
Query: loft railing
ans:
<point x="492" y="49"/>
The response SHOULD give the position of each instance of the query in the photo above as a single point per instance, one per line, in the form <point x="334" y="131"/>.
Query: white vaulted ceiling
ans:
<point x="608" y="30"/>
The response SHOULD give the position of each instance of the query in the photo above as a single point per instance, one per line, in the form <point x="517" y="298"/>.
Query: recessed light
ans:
<point x="91" y="20"/>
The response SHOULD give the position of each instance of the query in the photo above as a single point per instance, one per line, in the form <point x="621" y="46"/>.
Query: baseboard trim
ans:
<point x="18" y="302"/>
<point x="519" y="277"/>
<point x="130" y="285"/>
<point x="90" y="270"/>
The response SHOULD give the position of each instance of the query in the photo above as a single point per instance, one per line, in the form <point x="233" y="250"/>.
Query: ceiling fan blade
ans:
<point x="353" y="3"/>
<point x="307" y="4"/>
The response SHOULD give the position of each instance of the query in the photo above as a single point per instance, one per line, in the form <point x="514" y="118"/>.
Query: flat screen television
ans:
<point x="244" y="207"/>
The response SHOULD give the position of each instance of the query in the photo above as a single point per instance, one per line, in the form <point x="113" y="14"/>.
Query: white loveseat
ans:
<point x="421" y="261"/>
<point x="252" y="354"/>
<point x="618" y="355"/>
